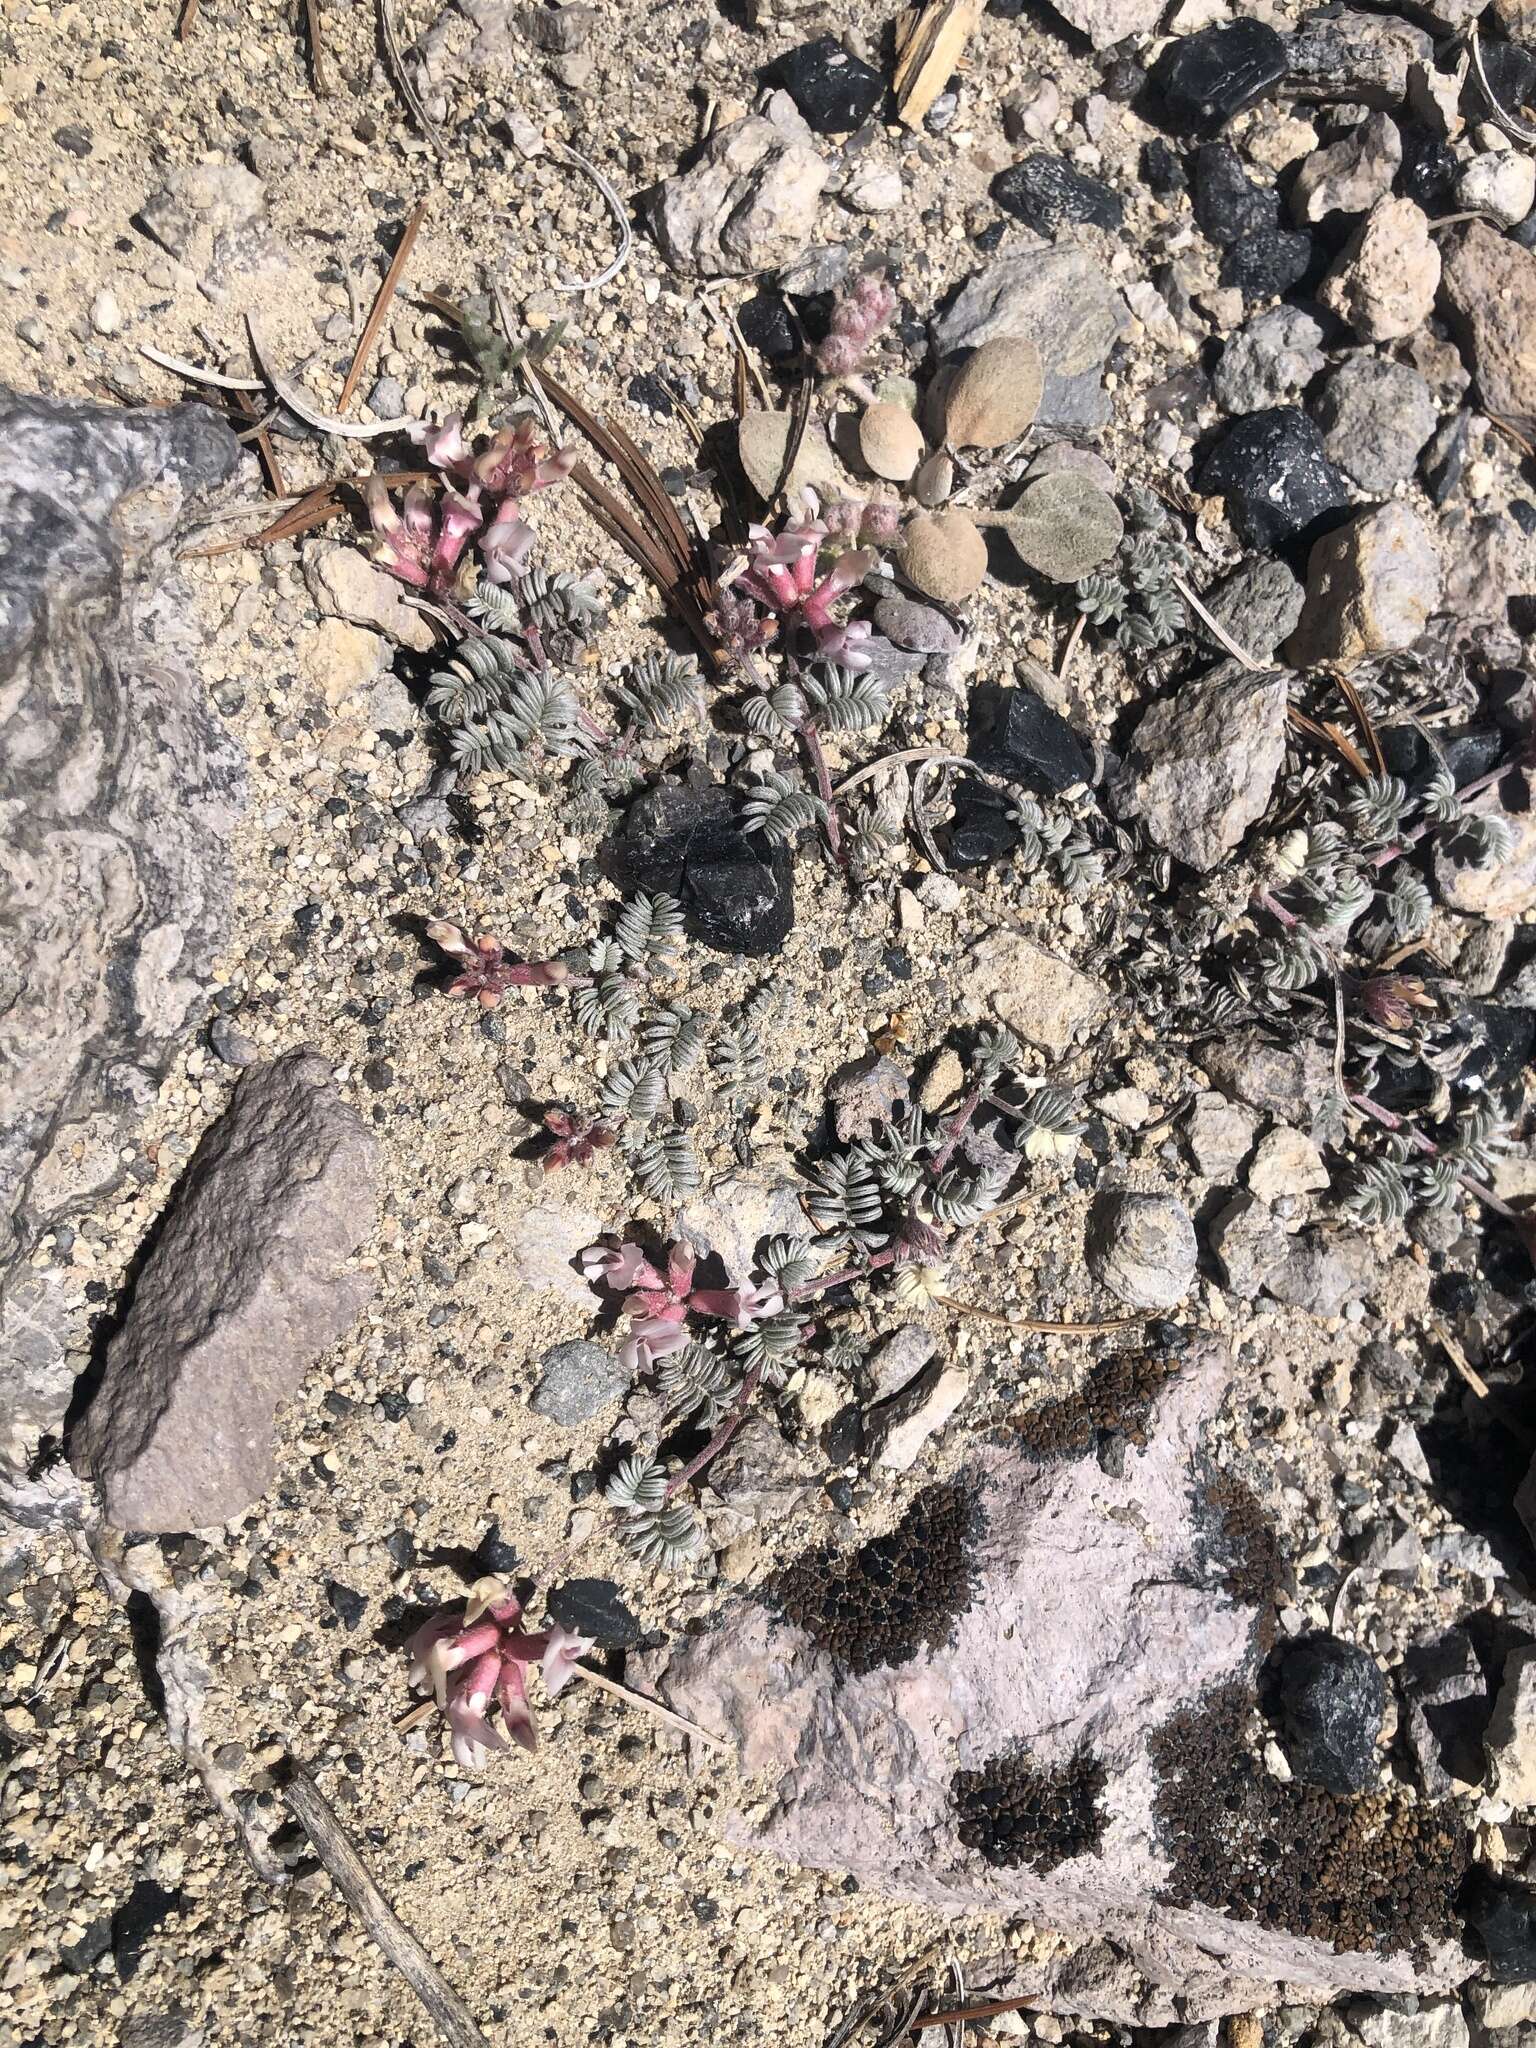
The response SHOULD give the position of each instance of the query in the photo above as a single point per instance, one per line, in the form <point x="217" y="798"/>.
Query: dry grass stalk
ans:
<point x="394" y="62"/>
<point x="382" y="302"/>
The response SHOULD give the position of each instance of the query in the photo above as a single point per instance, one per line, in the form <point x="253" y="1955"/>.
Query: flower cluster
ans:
<point x="856" y="320"/>
<point x="484" y="970"/>
<point x="783" y="573"/>
<point x="423" y="542"/>
<point x="475" y="1657"/>
<point x="661" y="1301"/>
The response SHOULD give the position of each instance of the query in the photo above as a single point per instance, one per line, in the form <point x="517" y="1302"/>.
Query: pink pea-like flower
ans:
<point x="476" y="1657"/>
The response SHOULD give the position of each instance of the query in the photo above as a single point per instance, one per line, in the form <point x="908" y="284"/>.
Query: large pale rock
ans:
<point x="1201" y="764"/>
<point x="1490" y="285"/>
<point x="748" y="204"/>
<point x="1046" y="1000"/>
<point x="1371" y="587"/>
<point x="250" y="1280"/>
<point x="119" y="793"/>
<point x="1385" y="280"/>
<point x="1101" y="1606"/>
<point x="1106" y="22"/>
<point x="1059" y="298"/>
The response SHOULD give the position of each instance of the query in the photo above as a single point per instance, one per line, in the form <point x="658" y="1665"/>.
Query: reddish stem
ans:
<point x="722" y="1435"/>
<point x="1393" y="1122"/>
<point x="810" y="739"/>
<point x="872" y="1264"/>
<point x="956" y="1131"/>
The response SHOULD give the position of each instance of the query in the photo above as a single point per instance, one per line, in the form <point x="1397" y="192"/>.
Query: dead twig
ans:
<point x="929" y="43"/>
<point x="1459" y="1359"/>
<point x="420" y="1714"/>
<point x="381" y="303"/>
<point x="1031" y="1324"/>
<point x="181" y="368"/>
<point x="988" y="2011"/>
<point x="615" y="205"/>
<point x="394" y="63"/>
<point x="452" y="2018"/>
<point x="1520" y="131"/>
<point x="191" y="9"/>
<point x="318" y="76"/>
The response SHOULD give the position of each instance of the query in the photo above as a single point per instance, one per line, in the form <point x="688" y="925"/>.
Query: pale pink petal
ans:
<point x="516" y="1715"/>
<point x="563" y="1654"/>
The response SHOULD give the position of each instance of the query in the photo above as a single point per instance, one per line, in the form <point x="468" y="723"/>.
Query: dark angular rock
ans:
<point x="595" y="1607"/>
<point x="1048" y="193"/>
<point x="1332" y="1700"/>
<point x="1445" y="459"/>
<point x="1162" y="169"/>
<point x="765" y="321"/>
<point x="1503" y="1918"/>
<point x="1277" y="480"/>
<point x="83" y="1955"/>
<point x="1017" y="735"/>
<point x="1447" y="1706"/>
<point x="1429" y="168"/>
<point x="834" y="91"/>
<point x="738" y="896"/>
<point x="136" y="1919"/>
<point x="1227" y="202"/>
<point x="980" y="828"/>
<point x="1268" y="262"/>
<point x="348" y="1606"/>
<point x="1503" y="1038"/>
<point x="1204" y="79"/>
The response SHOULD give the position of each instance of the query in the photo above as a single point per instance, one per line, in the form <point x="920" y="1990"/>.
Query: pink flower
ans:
<point x="659" y="1304"/>
<point x="505" y="545"/>
<point x="423" y="543"/>
<point x="475" y="1656"/>
<point x="444" y="446"/>
<point x="781" y="573"/>
<point x="856" y="320"/>
<point x="485" y="971"/>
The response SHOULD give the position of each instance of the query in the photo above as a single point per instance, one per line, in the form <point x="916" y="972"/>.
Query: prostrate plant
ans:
<point x="1332" y="948"/>
<point x="1135" y="596"/>
<point x="694" y="1378"/>
<point x="476" y="1658"/>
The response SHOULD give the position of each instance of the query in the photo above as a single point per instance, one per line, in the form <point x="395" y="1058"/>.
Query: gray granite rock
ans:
<point x="1375" y="415"/>
<point x="576" y="1380"/>
<point x="119" y="792"/>
<point x="250" y="1278"/>
<point x="1269" y="361"/>
<point x="1202" y="763"/>
<point x="1142" y="1248"/>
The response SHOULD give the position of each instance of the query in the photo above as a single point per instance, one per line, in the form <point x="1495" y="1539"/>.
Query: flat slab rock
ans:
<point x="119" y="792"/>
<point x="1098" y="1612"/>
<point x="248" y="1283"/>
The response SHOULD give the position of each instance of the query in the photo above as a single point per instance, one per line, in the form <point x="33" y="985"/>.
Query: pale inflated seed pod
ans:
<point x="944" y="555"/>
<point x="995" y="395"/>
<point x="934" y="481"/>
<point x="890" y="441"/>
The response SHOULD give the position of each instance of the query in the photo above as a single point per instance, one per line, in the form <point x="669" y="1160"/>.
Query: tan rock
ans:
<point x="346" y="585"/>
<point x="1506" y="887"/>
<point x="1490" y="283"/>
<point x="1511" y="1737"/>
<point x="1385" y="281"/>
<point x="341" y="660"/>
<point x="1045" y="1000"/>
<point x="1371" y="586"/>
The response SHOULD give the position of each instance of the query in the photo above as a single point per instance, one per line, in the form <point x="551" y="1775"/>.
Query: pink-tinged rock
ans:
<point x="1371" y="587"/>
<point x="1099" y="1609"/>
<point x="1490" y="284"/>
<point x="251" y="1279"/>
<point x="1384" y="282"/>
